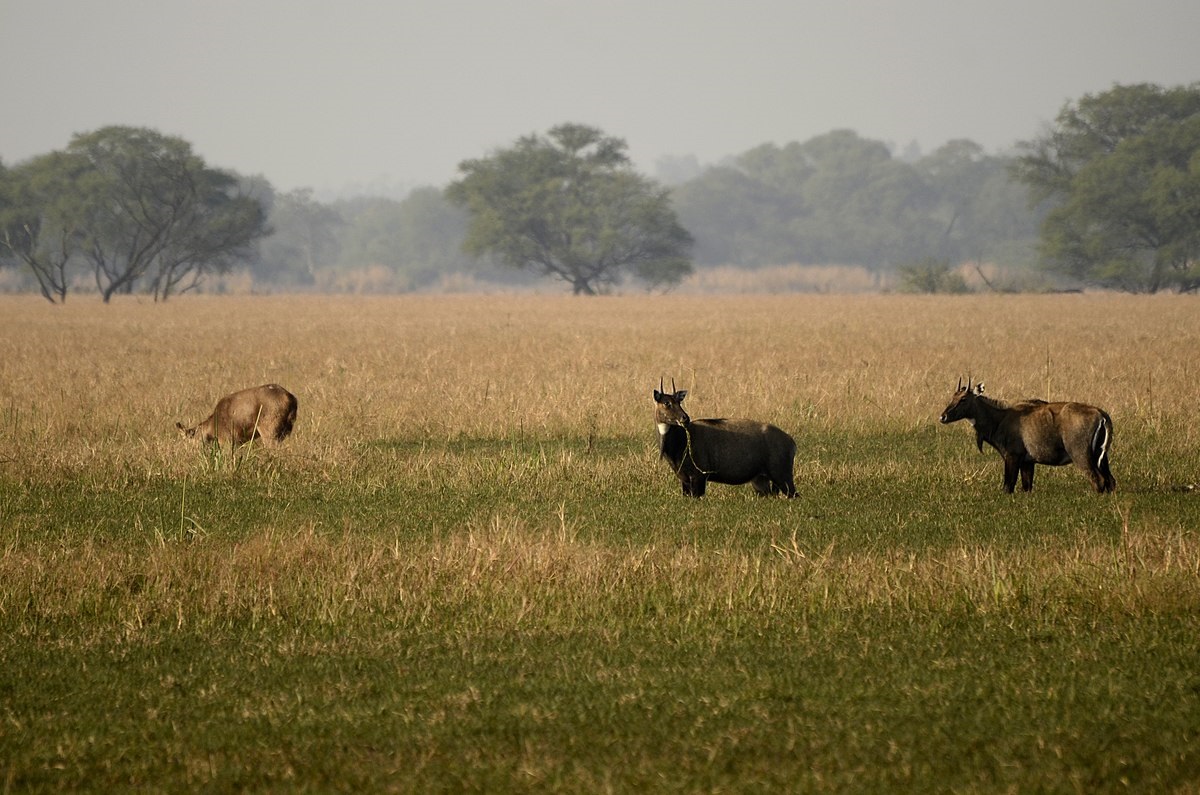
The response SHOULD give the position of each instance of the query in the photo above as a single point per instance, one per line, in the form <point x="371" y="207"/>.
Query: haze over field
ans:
<point x="363" y="96"/>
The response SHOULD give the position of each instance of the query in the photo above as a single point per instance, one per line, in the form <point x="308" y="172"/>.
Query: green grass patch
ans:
<point x="520" y="612"/>
<point x="862" y="701"/>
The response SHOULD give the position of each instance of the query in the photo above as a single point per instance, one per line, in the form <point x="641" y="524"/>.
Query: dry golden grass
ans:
<point x="839" y="279"/>
<point x="87" y="380"/>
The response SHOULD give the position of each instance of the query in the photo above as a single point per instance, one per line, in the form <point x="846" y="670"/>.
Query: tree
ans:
<point x="151" y="209"/>
<point x="39" y="212"/>
<point x="1122" y="171"/>
<point x="570" y="206"/>
<point x="304" y="238"/>
<point x="834" y="198"/>
<point x="431" y="235"/>
<point x="982" y="211"/>
<point x="736" y="218"/>
<point x="222" y="229"/>
<point x="418" y="238"/>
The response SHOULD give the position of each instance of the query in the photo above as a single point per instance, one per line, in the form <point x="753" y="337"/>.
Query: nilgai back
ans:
<point x="263" y="412"/>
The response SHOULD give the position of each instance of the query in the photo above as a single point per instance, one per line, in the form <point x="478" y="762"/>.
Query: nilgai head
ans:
<point x="963" y="402"/>
<point x="668" y="409"/>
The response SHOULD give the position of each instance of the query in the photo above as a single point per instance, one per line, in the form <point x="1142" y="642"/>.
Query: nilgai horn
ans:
<point x="733" y="451"/>
<point x="1036" y="432"/>
<point x="266" y="412"/>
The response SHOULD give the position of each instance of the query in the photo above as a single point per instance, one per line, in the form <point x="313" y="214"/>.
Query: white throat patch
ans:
<point x="662" y="428"/>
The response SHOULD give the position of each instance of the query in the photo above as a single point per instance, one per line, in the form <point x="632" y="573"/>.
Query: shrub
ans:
<point x="930" y="276"/>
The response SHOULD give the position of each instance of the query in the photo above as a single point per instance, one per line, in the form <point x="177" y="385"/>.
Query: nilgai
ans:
<point x="266" y="412"/>
<point x="733" y="451"/>
<point x="1036" y="432"/>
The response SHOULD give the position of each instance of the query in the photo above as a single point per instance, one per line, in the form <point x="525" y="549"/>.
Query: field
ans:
<point x="468" y="570"/>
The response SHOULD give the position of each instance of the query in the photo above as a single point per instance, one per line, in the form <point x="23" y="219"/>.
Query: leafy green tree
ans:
<point x="371" y="233"/>
<point x="737" y="220"/>
<point x="419" y="238"/>
<point x="983" y="213"/>
<point x="570" y="206"/>
<point x="432" y="232"/>
<point x="40" y="219"/>
<point x="221" y="232"/>
<point x="303" y="238"/>
<point x="834" y="198"/>
<point x="1122" y="172"/>
<point x="957" y="168"/>
<point x="151" y="211"/>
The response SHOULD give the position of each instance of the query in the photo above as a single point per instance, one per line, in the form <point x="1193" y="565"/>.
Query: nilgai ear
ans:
<point x="979" y="388"/>
<point x="681" y="394"/>
<point x="658" y="396"/>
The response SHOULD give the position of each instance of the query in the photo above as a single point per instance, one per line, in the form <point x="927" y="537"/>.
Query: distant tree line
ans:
<point x="839" y="198"/>
<point x="1108" y="195"/>
<point x="364" y="244"/>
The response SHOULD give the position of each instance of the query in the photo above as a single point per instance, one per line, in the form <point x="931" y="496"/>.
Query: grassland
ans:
<point x="467" y="569"/>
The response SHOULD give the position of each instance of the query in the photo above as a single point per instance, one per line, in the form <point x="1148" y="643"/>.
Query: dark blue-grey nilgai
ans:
<point x="733" y="451"/>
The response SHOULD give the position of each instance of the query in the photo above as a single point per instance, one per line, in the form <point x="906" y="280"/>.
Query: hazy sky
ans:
<point x="331" y="95"/>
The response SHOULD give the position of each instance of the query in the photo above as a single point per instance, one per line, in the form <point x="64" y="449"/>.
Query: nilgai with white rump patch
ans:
<point x="262" y="412"/>
<point x="1036" y="432"/>
<point x="732" y="451"/>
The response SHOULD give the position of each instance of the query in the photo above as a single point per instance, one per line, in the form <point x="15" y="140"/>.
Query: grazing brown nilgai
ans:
<point x="732" y="451"/>
<point x="1036" y="432"/>
<point x="261" y="412"/>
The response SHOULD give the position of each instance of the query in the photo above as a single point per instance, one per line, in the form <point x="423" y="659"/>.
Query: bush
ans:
<point x="931" y="276"/>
